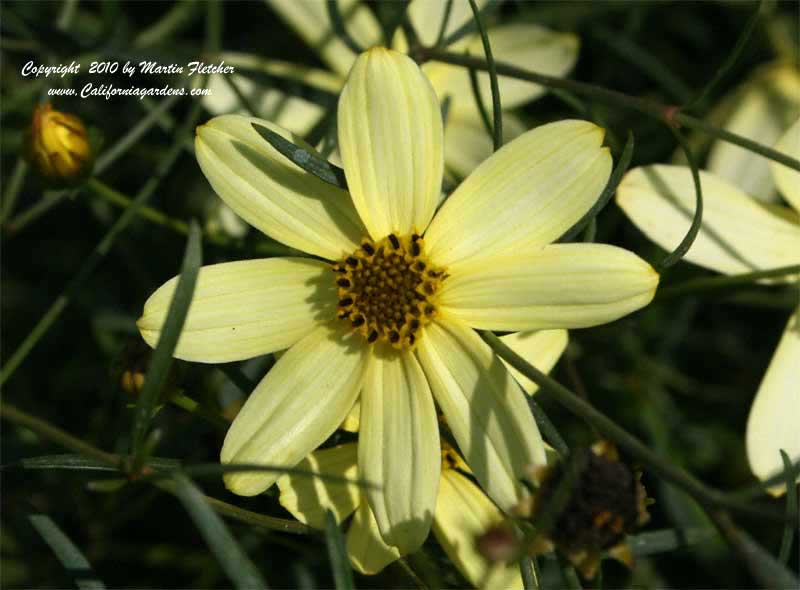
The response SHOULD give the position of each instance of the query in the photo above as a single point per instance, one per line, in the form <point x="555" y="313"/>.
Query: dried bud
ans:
<point x="58" y="146"/>
<point x="499" y="544"/>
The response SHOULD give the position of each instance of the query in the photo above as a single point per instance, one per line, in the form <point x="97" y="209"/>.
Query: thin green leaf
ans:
<point x="217" y="469"/>
<point x="765" y="569"/>
<point x="161" y="361"/>
<point x="67" y="553"/>
<point x="645" y="61"/>
<point x="478" y="98"/>
<point x="725" y="282"/>
<point x="236" y="376"/>
<point x="219" y="539"/>
<point x="448" y="8"/>
<point x="64" y="461"/>
<point x="497" y="109"/>
<point x="731" y="60"/>
<point x="337" y="23"/>
<point x="792" y="522"/>
<point x="667" y="540"/>
<point x="306" y="160"/>
<point x="680" y="251"/>
<point x="529" y="573"/>
<point x="337" y="552"/>
<point x="469" y="26"/>
<point x="611" y="187"/>
<point x="549" y="431"/>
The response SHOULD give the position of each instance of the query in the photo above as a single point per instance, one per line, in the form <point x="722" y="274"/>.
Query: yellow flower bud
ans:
<point x="59" y="148"/>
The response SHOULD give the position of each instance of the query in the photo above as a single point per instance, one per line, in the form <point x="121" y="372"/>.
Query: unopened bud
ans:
<point x="58" y="146"/>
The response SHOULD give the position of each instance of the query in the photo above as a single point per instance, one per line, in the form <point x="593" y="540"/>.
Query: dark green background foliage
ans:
<point x="680" y="374"/>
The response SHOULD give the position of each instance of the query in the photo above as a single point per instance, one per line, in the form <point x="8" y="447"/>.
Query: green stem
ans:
<point x="13" y="188"/>
<point x="723" y="282"/>
<point x="58" y="436"/>
<point x="671" y="115"/>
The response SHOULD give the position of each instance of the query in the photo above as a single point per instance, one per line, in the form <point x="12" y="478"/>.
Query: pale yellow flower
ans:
<point x="406" y="339"/>
<point x="462" y="512"/>
<point x="760" y="109"/>
<point x="466" y="142"/>
<point x="739" y="235"/>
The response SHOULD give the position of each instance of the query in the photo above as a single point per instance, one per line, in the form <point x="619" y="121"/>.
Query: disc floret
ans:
<point x="387" y="289"/>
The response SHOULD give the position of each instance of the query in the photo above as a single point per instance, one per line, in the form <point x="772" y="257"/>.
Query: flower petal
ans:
<point x="426" y="16"/>
<point x="367" y="550"/>
<point x="738" y="234"/>
<point x="762" y="110"/>
<point x="462" y="512"/>
<point x="399" y="448"/>
<point x="309" y="498"/>
<point x="244" y="309"/>
<point x="788" y="180"/>
<point x="540" y="348"/>
<point x="298" y="405"/>
<point x="309" y="18"/>
<point x="525" y="195"/>
<point x="560" y="286"/>
<point x="466" y="143"/>
<point x="524" y="45"/>
<point x="391" y="142"/>
<point x="484" y="407"/>
<point x="772" y="424"/>
<point x="273" y="194"/>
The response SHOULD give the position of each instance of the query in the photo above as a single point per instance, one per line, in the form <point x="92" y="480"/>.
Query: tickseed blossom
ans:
<point x="466" y="142"/>
<point x="58" y="146"/>
<point x="391" y="319"/>
<point x="738" y="235"/>
<point x="462" y="509"/>
<point x="760" y="109"/>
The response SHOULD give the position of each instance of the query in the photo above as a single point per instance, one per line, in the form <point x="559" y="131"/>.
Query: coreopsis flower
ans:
<point x="58" y="147"/>
<point x="760" y="109"/>
<point x="466" y="141"/>
<point x="390" y="321"/>
<point x="738" y="235"/>
<point x="462" y="511"/>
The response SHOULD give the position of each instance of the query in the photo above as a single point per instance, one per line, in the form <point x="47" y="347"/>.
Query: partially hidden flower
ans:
<point x="739" y="235"/>
<point x="462" y="509"/>
<point x="462" y="512"/>
<point x="760" y="109"/>
<point x="466" y="142"/>
<point x="58" y="146"/>
<point x="392" y="319"/>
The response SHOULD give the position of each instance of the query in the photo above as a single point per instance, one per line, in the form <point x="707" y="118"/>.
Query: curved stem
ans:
<point x="668" y="114"/>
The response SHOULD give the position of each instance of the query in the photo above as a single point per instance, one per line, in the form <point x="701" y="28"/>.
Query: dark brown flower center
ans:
<point x="387" y="289"/>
